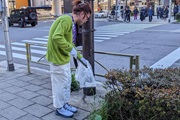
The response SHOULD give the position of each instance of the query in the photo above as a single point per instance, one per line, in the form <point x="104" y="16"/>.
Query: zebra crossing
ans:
<point x="101" y="34"/>
<point x="19" y="49"/>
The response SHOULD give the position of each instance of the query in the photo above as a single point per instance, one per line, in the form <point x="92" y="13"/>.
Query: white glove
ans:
<point x="84" y="60"/>
<point x="73" y="52"/>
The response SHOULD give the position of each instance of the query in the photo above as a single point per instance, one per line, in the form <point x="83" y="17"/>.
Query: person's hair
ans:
<point x="79" y="6"/>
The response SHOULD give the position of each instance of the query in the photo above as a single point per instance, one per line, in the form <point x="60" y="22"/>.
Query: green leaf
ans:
<point x="97" y="117"/>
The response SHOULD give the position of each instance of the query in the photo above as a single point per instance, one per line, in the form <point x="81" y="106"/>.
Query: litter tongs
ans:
<point x="82" y="62"/>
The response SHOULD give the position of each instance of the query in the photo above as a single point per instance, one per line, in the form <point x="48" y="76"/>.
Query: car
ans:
<point x="101" y="14"/>
<point x="23" y="16"/>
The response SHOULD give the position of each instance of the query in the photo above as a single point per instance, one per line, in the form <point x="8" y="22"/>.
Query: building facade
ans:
<point x="57" y="5"/>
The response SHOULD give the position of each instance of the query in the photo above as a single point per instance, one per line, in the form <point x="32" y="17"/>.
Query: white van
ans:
<point x="118" y="10"/>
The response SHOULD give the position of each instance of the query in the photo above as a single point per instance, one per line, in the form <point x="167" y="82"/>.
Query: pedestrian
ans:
<point x="175" y="11"/>
<point x="142" y="14"/>
<point x="127" y="14"/>
<point x="60" y="47"/>
<point x="135" y="11"/>
<point x="165" y="12"/>
<point x="113" y="13"/>
<point x="150" y="13"/>
<point x="158" y="11"/>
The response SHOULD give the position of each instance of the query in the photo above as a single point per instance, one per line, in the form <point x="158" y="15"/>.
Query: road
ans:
<point x="151" y="41"/>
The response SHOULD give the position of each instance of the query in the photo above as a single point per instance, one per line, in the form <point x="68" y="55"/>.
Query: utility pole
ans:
<point x="88" y="37"/>
<point x="116" y="10"/>
<point x="4" y="11"/>
<point x="170" y="9"/>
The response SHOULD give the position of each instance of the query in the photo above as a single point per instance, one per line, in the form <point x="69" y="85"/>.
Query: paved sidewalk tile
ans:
<point x="7" y="96"/>
<point x="38" y="110"/>
<point x="29" y="117"/>
<point x="27" y="94"/>
<point x="52" y="116"/>
<point x="4" y="105"/>
<point x="42" y="100"/>
<point x="21" y="102"/>
<point x="12" y="113"/>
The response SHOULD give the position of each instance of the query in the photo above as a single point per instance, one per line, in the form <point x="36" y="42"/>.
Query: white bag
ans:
<point x="84" y="75"/>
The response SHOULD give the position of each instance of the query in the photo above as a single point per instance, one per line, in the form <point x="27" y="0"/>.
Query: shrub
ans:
<point x="152" y="95"/>
<point x="74" y="84"/>
<point x="178" y="17"/>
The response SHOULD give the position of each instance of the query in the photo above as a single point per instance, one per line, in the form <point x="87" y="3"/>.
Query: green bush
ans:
<point x="74" y="84"/>
<point x="152" y="95"/>
<point x="178" y="17"/>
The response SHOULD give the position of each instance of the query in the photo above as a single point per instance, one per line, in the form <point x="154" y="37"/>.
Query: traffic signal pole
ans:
<point x="4" y="11"/>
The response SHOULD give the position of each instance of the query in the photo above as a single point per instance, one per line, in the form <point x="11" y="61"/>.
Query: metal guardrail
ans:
<point x="134" y="59"/>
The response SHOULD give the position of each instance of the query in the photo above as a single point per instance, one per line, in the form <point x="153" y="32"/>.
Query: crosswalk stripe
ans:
<point x="32" y="41"/>
<point x="106" y="35"/>
<point x="45" y="39"/>
<point x="109" y="33"/>
<point x="104" y="38"/>
<point x="23" y="44"/>
<point x="20" y="56"/>
<point x="98" y="40"/>
<point x="24" y="50"/>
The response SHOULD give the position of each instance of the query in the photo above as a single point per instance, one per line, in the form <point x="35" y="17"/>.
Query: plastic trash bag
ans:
<point x="85" y="75"/>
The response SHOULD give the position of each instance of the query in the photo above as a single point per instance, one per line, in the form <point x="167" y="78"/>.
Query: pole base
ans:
<point x="89" y="91"/>
<point x="169" y="20"/>
<point x="10" y="67"/>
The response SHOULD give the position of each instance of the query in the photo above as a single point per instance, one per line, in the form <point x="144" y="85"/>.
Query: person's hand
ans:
<point x="73" y="52"/>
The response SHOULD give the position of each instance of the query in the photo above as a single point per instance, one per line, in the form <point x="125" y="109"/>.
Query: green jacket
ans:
<point x="60" y="41"/>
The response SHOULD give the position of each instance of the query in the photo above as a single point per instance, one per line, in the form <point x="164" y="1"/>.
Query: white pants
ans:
<point x="61" y="84"/>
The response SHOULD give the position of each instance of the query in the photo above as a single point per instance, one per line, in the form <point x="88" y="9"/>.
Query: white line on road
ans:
<point x="43" y="39"/>
<point x="32" y="41"/>
<point x="104" y="38"/>
<point x="24" y="50"/>
<point x="23" y="44"/>
<point x="117" y="32"/>
<point x="20" y="56"/>
<point x="168" y="60"/>
<point x="106" y="35"/>
<point x="98" y="40"/>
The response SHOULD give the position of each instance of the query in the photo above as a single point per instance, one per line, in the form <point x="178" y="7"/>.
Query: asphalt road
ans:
<point x="151" y="41"/>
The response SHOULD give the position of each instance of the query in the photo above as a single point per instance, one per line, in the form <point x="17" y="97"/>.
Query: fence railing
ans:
<point x="133" y="59"/>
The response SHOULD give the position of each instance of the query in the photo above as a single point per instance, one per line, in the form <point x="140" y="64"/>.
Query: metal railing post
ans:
<point x="137" y="62"/>
<point x="28" y="57"/>
<point x="131" y="63"/>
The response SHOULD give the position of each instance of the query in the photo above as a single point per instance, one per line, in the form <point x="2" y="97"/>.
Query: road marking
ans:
<point x="168" y="60"/>
<point x="33" y="41"/>
<point x="115" y="32"/>
<point x="43" y="39"/>
<point x="98" y="40"/>
<point x="106" y="35"/>
<point x="104" y="38"/>
<point x="20" y="56"/>
<point x="23" y="44"/>
<point x="24" y="50"/>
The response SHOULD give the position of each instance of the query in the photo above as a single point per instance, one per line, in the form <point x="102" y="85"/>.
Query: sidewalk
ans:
<point x="26" y="96"/>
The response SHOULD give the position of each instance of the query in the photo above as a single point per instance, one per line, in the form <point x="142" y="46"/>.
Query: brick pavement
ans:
<point x="26" y="96"/>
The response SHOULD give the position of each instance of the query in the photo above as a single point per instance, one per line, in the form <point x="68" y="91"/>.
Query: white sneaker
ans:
<point x="70" y="108"/>
<point x="63" y="112"/>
